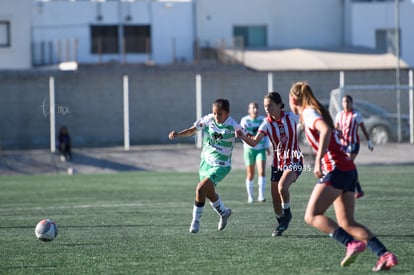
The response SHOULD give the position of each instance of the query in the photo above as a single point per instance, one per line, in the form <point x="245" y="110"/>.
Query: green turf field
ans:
<point x="137" y="223"/>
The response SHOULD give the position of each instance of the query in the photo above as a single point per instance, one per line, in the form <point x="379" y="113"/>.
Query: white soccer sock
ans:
<point x="197" y="211"/>
<point x="249" y="188"/>
<point x="285" y="205"/>
<point x="262" y="188"/>
<point x="218" y="206"/>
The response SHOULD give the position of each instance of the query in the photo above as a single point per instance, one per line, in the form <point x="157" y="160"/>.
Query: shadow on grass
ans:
<point x="101" y="163"/>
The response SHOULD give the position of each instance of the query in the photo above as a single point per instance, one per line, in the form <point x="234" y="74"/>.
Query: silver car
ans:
<point x="381" y="125"/>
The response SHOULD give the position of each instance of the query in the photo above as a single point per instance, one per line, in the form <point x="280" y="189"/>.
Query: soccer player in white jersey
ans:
<point x="254" y="156"/>
<point x="280" y="127"/>
<point x="219" y="135"/>
<point x="348" y="121"/>
<point x="337" y="177"/>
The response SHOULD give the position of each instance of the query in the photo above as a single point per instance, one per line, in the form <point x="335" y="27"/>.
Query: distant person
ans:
<point x="64" y="144"/>
<point x="254" y="156"/>
<point x="337" y="176"/>
<point x="280" y="127"/>
<point x="219" y="135"/>
<point x="348" y="121"/>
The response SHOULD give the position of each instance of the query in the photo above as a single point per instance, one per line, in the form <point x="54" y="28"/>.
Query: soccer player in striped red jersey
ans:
<point x="280" y="127"/>
<point x="348" y="121"/>
<point x="337" y="176"/>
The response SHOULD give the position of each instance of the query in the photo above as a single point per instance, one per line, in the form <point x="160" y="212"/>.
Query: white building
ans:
<point x="15" y="34"/>
<point x="44" y="32"/>
<point x="107" y="31"/>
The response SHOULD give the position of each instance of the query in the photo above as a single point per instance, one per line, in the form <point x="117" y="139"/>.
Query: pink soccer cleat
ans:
<point x="385" y="262"/>
<point x="353" y="249"/>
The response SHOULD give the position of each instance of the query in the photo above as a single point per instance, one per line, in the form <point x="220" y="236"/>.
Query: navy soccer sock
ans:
<point x="342" y="236"/>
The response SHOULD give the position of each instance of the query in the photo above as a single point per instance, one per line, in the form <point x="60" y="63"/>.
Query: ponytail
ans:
<point x="302" y="93"/>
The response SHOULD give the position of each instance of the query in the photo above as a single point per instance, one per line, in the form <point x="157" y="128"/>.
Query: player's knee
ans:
<point x="309" y="218"/>
<point x="347" y="225"/>
<point x="282" y="188"/>
<point x="200" y="188"/>
<point x="205" y="186"/>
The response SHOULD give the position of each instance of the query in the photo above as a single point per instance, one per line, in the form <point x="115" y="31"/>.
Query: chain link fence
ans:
<point x="387" y="109"/>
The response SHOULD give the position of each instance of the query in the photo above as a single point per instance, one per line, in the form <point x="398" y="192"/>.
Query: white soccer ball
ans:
<point x="46" y="230"/>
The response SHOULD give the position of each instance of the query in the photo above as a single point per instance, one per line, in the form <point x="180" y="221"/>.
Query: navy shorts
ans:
<point x="351" y="148"/>
<point x="277" y="172"/>
<point x="345" y="180"/>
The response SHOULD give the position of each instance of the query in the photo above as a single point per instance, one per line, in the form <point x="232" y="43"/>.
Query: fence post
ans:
<point x="199" y="109"/>
<point x="126" y="113"/>
<point x="269" y="82"/>
<point x="341" y="84"/>
<point x="52" y="114"/>
<point x="174" y="50"/>
<point x="411" y="103"/>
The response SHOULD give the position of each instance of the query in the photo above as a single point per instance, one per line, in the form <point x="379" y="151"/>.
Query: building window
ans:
<point x="252" y="36"/>
<point x="5" y="34"/>
<point x="104" y="39"/>
<point x="385" y="40"/>
<point x="137" y="39"/>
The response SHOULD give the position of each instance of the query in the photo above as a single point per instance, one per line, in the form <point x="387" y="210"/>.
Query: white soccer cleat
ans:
<point x="223" y="219"/>
<point x="195" y="225"/>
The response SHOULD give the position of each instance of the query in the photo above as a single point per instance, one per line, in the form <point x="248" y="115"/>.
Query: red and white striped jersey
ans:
<point x="348" y="123"/>
<point x="334" y="156"/>
<point x="283" y="136"/>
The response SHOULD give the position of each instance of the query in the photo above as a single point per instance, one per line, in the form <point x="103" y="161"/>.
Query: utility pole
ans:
<point x="397" y="72"/>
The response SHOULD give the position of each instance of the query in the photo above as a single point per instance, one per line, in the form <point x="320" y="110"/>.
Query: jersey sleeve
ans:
<point x="243" y="122"/>
<point x="358" y="118"/>
<point x="263" y="128"/>
<point x="294" y="117"/>
<point x="202" y="122"/>
<point x="237" y="126"/>
<point x="310" y="116"/>
<point x="337" y="117"/>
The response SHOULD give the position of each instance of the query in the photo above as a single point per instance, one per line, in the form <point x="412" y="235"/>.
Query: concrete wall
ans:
<point x="89" y="101"/>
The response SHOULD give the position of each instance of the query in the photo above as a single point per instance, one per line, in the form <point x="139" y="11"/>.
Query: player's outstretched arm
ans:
<point x="252" y="141"/>
<point x="184" y="133"/>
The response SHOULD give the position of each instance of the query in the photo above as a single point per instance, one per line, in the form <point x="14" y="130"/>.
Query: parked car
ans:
<point x="381" y="125"/>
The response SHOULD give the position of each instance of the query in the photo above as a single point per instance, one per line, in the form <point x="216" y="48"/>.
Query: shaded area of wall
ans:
<point x="89" y="101"/>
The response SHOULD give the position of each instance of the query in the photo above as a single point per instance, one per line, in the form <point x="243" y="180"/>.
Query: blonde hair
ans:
<point x="302" y="93"/>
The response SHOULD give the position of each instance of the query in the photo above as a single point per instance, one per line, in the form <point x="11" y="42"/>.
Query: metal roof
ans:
<point x="305" y="60"/>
